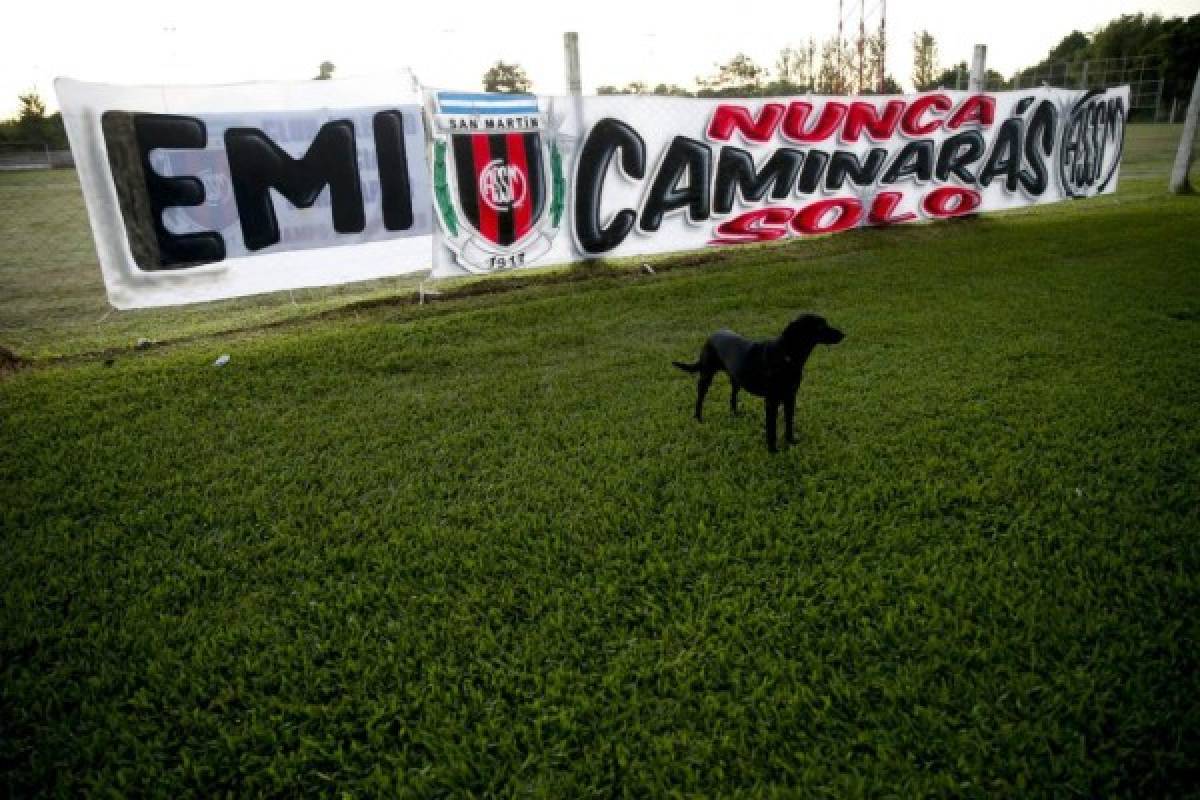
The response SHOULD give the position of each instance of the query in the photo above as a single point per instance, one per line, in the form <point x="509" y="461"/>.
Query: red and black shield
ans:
<point x="501" y="186"/>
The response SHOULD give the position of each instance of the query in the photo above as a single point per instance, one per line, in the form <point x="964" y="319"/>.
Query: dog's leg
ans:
<point x="701" y="390"/>
<point x="772" y="406"/>
<point x="789" y="414"/>
<point x="733" y="397"/>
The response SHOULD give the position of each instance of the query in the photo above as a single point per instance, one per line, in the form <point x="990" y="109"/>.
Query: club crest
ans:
<point x="497" y="179"/>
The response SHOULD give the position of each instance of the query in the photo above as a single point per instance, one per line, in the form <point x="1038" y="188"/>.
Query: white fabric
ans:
<point x="310" y="253"/>
<point x="658" y="120"/>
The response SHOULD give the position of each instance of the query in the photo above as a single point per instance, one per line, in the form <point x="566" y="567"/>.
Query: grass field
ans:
<point x="479" y="547"/>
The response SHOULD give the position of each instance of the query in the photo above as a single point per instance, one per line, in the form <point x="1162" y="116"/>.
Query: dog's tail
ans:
<point x="687" y="367"/>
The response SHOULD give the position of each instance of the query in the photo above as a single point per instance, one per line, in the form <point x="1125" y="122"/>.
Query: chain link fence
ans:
<point x="33" y="155"/>
<point x="1143" y="74"/>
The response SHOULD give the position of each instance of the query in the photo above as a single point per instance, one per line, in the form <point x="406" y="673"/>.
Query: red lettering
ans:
<point x="759" y="225"/>
<point x="832" y="114"/>
<point x="728" y="118"/>
<point x="883" y="209"/>
<point x="911" y="122"/>
<point x="865" y="116"/>
<point x="951" y="201"/>
<point x="976" y="108"/>
<point x="814" y="217"/>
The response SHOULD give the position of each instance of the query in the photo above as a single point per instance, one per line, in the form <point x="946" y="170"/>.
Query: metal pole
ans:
<point x="571" y="53"/>
<point x="882" y="45"/>
<point x="862" y="41"/>
<point x="1183" y="156"/>
<point x="841" y="67"/>
<point x="1083" y="76"/>
<point x="1158" y="100"/>
<point x="979" y="69"/>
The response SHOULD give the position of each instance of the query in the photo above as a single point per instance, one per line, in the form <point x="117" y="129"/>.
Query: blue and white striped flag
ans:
<point x="486" y="103"/>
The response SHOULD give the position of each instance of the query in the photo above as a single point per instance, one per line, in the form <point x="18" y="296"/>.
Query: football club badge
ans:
<point x="497" y="178"/>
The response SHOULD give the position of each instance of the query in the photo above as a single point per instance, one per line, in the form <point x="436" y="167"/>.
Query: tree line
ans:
<point x="831" y="67"/>
<point x="33" y="126"/>
<point x="1172" y="45"/>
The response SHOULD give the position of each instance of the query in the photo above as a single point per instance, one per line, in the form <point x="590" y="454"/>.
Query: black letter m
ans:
<point x="258" y="165"/>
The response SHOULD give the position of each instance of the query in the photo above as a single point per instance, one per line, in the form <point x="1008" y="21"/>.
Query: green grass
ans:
<point x="52" y="299"/>
<point x="480" y="547"/>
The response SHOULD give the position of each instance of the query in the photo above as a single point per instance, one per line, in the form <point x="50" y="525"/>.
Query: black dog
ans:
<point x="771" y="369"/>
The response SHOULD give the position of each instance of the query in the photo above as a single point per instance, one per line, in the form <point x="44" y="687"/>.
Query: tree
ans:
<point x="633" y="87"/>
<point x="925" y="56"/>
<point x="889" y="86"/>
<point x="959" y="77"/>
<point x="833" y="75"/>
<point x="641" y="87"/>
<point x="32" y="125"/>
<point x="671" y="90"/>
<point x="794" y="70"/>
<point x="326" y="71"/>
<point x="33" y="108"/>
<point x="1074" y="46"/>
<point x="1173" y="43"/>
<point x="993" y="81"/>
<point x="506" y="78"/>
<point x="955" y="77"/>
<point x="1183" y="37"/>
<point x="740" y="76"/>
<point x="875" y="81"/>
<point x="1173" y="46"/>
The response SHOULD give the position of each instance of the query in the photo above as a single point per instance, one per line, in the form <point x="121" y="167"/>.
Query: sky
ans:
<point x="449" y="44"/>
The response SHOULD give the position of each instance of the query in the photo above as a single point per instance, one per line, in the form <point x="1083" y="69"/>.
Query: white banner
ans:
<point x="534" y="180"/>
<point x="205" y="192"/>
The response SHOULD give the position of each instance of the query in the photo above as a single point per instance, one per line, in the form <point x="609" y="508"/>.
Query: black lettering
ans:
<point x="814" y="167"/>
<point x="1005" y="158"/>
<point x="257" y="165"/>
<point x="1115" y="130"/>
<point x="957" y="152"/>
<point x="607" y="138"/>
<point x="392" y="156"/>
<point x="735" y="170"/>
<point x="686" y="160"/>
<point x="845" y="164"/>
<point x="152" y="245"/>
<point x="915" y="158"/>
<point x="1039" y="145"/>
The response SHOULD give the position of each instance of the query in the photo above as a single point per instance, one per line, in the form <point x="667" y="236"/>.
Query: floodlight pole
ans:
<point x="1183" y="156"/>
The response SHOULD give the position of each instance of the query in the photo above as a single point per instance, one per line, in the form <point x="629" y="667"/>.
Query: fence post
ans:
<point x="979" y="69"/>
<point x="1083" y="76"/>
<point x="571" y="53"/>
<point x="1183" y="156"/>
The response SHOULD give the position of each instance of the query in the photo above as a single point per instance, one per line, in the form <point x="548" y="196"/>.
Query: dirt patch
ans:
<point x="9" y="361"/>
